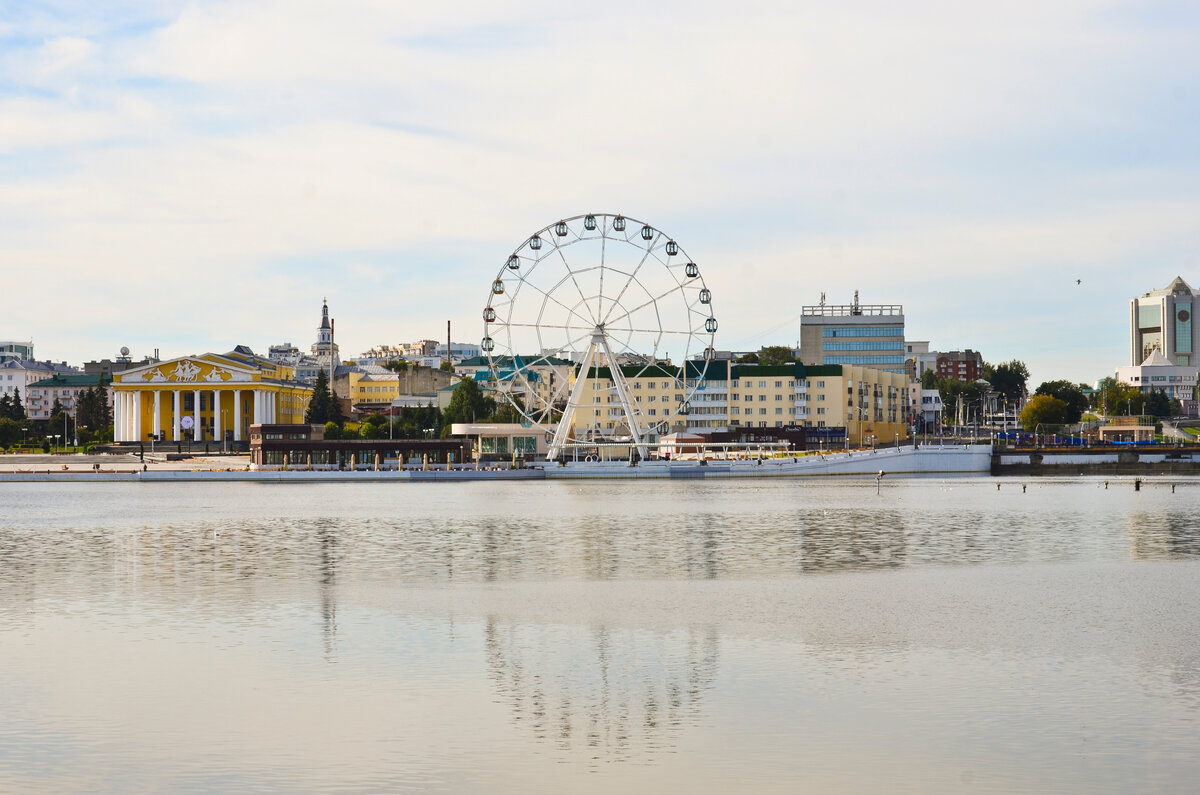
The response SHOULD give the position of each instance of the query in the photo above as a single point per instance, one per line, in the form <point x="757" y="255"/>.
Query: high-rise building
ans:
<point x="15" y="351"/>
<point x="860" y="335"/>
<point x="1162" y="320"/>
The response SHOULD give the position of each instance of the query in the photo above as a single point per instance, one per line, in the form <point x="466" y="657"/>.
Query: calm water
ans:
<point x="941" y="636"/>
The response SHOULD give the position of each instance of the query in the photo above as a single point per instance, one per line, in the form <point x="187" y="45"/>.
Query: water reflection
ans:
<point x="618" y="693"/>
<point x="1170" y="534"/>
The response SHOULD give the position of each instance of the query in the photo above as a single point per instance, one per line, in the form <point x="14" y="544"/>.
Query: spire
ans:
<point x="324" y="313"/>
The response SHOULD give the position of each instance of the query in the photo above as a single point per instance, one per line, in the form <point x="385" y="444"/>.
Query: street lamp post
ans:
<point x="24" y="436"/>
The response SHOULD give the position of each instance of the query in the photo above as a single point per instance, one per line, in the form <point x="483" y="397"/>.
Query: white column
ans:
<point x="118" y="416"/>
<point x="137" y="416"/>
<point x="258" y="405"/>
<point x="197" y="435"/>
<point x="216" y="393"/>
<point x="176" y="409"/>
<point x="270" y="398"/>
<point x="237" y="415"/>
<point x="157" y="411"/>
<point x="129" y="437"/>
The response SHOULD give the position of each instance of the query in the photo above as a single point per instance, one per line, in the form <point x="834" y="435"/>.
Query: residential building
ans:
<point x="10" y="350"/>
<point x="540" y="380"/>
<point x="870" y="403"/>
<point x="16" y="375"/>
<point x="371" y="388"/>
<point x="1162" y="319"/>
<point x="63" y="387"/>
<point x="965" y="365"/>
<point x="859" y="335"/>
<point x="1157" y="373"/>
<point x="210" y="397"/>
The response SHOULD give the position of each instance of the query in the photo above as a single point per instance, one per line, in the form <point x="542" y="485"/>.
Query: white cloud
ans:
<point x="792" y="149"/>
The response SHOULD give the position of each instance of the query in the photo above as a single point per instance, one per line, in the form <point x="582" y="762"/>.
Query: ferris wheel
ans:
<point x="598" y="328"/>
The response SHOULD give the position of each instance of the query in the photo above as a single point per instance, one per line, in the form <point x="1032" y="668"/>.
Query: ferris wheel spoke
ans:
<point x="588" y="328"/>
<point x="570" y="272"/>
<point x="548" y="297"/>
<point x="632" y="277"/>
<point x="648" y="302"/>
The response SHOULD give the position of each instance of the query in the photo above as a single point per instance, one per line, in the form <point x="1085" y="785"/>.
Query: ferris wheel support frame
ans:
<point x="599" y="344"/>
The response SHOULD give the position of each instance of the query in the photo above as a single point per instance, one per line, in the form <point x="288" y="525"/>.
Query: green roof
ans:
<point x="637" y="371"/>
<point x="795" y="370"/>
<point x="61" y="379"/>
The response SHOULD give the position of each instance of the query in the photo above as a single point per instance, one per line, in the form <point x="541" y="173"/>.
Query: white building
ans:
<point x="1157" y="373"/>
<point x="18" y="374"/>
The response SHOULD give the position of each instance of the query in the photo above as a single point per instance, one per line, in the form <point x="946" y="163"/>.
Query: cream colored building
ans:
<point x="201" y="397"/>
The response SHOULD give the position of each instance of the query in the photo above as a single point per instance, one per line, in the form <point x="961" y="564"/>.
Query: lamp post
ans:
<point x="55" y="437"/>
<point x="24" y="436"/>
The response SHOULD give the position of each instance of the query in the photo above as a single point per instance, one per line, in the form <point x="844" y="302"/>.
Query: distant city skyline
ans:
<point x="191" y="177"/>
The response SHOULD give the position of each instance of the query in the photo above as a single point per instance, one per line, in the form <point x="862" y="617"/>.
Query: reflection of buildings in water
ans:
<point x="614" y="693"/>
<point x="1163" y="535"/>
<point x="852" y="540"/>
<point x="328" y="571"/>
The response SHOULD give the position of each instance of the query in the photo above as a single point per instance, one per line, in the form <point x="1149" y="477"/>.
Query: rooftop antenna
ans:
<point x="822" y="298"/>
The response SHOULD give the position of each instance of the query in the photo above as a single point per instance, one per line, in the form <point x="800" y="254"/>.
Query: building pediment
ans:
<point x="187" y="370"/>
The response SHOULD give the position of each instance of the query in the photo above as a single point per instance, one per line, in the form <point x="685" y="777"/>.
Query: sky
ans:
<point x="190" y="176"/>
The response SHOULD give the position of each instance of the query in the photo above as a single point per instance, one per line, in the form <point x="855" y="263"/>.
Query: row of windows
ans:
<point x="878" y="331"/>
<point x="863" y="360"/>
<point x="884" y="345"/>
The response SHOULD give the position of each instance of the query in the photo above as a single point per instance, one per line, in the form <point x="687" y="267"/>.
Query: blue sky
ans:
<point x="191" y="176"/>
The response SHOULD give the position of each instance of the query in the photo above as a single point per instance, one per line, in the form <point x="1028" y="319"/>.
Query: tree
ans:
<point x="1043" y="410"/>
<point x="332" y="431"/>
<point x="775" y="355"/>
<point x="468" y="404"/>
<point x="396" y="365"/>
<point x="748" y="358"/>
<point x="5" y="407"/>
<point x="1157" y="404"/>
<point x="447" y="366"/>
<point x="1008" y="378"/>
<point x="18" y="410"/>
<point x="10" y="432"/>
<point x="929" y="379"/>
<point x="1070" y="394"/>
<point x="323" y="407"/>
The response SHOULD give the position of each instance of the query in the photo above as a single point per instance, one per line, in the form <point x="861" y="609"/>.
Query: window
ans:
<point x="778" y="384"/>
<point x="762" y="411"/>
<point x="779" y="397"/>
<point x="735" y="384"/>
<point x="762" y="384"/>
<point x="879" y="331"/>
<point x="778" y="411"/>
<point x="820" y="411"/>
<point x="650" y="385"/>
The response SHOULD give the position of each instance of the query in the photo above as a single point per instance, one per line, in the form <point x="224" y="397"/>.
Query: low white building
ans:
<point x="1157" y="373"/>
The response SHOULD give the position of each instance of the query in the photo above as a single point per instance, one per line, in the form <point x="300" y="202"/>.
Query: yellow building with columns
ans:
<point x="202" y="397"/>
